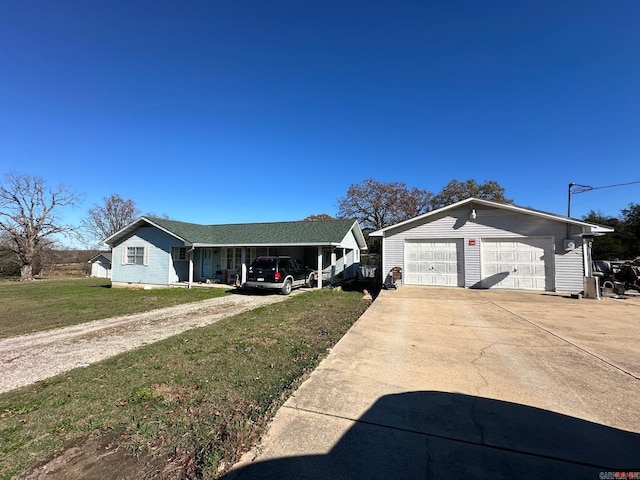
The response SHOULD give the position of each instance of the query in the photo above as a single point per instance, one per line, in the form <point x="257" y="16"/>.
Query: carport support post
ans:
<point x="243" y="266"/>
<point x="333" y="264"/>
<point x="191" y="266"/>
<point x="319" y="279"/>
<point x="344" y="263"/>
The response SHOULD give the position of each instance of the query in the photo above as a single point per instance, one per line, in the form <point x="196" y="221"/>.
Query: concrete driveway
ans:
<point x="454" y="383"/>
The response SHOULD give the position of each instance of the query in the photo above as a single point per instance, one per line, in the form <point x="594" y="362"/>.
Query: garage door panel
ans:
<point x="524" y="263"/>
<point x="412" y="278"/>
<point x="430" y="262"/>
<point x="491" y="256"/>
<point x="425" y="256"/>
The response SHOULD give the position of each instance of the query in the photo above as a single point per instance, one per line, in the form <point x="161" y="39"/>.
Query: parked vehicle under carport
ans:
<point x="279" y="273"/>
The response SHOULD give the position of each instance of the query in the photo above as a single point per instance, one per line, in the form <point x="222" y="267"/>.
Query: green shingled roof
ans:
<point x="325" y="232"/>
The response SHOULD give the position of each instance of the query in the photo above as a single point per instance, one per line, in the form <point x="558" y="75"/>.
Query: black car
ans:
<point x="279" y="273"/>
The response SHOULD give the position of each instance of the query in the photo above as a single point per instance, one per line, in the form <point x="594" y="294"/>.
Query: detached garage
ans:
<point x="479" y="243"/>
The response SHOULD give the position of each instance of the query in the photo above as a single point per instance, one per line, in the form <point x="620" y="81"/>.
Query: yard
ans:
<point x="63" y="302"/>
<point x="183" y="407"/>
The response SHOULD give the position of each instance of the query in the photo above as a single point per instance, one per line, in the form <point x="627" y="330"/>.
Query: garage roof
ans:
<point x="589" y="227"/>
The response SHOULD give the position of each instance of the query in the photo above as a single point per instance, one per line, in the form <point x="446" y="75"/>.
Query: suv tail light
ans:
<point x="277" y="276"/>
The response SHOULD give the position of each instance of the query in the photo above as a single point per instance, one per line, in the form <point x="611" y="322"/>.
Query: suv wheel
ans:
<point x="312" y="281"/>
<point x="286" y="288"/>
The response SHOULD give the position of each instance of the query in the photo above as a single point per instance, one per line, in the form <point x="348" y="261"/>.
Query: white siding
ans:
<point x="569" y="269"/>
<point x="393" y="256"/>
<point x="101" y="268"/>
<point x="472" y="270"/>
<point x="349" y="241"/>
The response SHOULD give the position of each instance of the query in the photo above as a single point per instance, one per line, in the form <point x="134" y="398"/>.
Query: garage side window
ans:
<point x="135" y="256"/>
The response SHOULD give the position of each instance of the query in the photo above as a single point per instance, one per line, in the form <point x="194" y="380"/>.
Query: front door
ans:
<point x="206" y="263"/>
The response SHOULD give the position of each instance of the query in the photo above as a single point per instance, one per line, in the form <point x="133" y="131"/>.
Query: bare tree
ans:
<point x="102" y="221"/>
<point x="28" y="219"/>
<point x="456" y="191"/>
<point x="377" y="205"/>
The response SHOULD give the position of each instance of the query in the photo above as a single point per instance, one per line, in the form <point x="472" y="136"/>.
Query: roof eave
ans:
<point x="490" y="203"/>
<point x="272" y="244"/>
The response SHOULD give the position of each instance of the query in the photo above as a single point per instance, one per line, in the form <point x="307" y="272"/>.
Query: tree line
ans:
<point x="29" y="215"/>
<point x="377" y="205"/>
<point x="624" y="242"/>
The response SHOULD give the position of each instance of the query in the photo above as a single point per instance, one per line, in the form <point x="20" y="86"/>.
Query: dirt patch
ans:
<point x="27" y="359"/>
<point x="98" y="459"/>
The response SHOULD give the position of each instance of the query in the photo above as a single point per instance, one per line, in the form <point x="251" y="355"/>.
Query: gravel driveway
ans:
<point x="27" y="359"/>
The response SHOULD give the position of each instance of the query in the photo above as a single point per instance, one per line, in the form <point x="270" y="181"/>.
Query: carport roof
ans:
<point x="324" y="232"/>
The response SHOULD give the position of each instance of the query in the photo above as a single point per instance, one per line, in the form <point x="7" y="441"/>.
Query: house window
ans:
<point x="179" y="253"/>
<point x="234" y="257"/>
<point x="135" y="256"/>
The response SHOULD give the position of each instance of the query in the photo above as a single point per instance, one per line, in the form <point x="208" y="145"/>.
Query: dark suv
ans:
<point x="279" y="273"/>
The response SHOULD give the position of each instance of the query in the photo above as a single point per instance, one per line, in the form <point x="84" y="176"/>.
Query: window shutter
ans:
<point x="124" y="254"/>
<point x="145" y="255"/>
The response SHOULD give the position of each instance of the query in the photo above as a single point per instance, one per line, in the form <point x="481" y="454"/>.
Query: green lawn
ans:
<point x="27" y="307"/>
<point x="189" y="404"/>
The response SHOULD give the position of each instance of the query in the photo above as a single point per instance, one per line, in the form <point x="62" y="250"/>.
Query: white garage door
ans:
<point x="433" y="262"/>
<point x="523" y="263"/>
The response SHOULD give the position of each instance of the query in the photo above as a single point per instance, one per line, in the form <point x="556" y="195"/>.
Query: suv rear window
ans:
<point x="264" y="263"/>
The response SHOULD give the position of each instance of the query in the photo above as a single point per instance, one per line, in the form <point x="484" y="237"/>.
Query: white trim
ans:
<point x="125" y="254"/>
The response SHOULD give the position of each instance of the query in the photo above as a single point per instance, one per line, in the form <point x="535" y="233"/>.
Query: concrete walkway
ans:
<point x="454" y="383"/>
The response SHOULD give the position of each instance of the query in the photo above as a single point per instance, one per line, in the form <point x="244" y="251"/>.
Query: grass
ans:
<point x="188" y="405"/>
<point x="27" y="307"/>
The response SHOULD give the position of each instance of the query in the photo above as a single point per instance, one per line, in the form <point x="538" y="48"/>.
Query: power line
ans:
<point x="576" y="188"/>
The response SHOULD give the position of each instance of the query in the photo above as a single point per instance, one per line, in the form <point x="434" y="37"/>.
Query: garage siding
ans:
<point x="393" y="249"/>
<point x="569" y="264"/>
<point x="492" y="223"/>
<point x="472" y="270"/>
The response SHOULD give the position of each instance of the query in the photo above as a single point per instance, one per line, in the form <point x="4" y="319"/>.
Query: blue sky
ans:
<point x="249" y="111"/>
